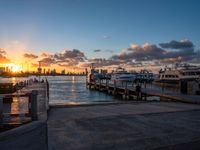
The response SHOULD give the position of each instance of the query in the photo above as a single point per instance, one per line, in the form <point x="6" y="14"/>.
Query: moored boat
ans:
<point x="174" y="75"/>
<point x="145" y="76"/>
<point x="121" y="74"/>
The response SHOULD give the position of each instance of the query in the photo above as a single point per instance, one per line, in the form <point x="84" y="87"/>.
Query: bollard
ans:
<point x="33" y="97"/>
<point x="1" y="110"/>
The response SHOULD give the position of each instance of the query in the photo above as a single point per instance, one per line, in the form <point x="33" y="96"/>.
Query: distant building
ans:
<point x="7" y="69"/>
<point x="53" y="72"/>
<point x="63" y="72"/>
<point x="39" y="68"/>
<point x="2" y="70"/>
<point x="48" y="71"/>
<point x="44" y="71"/>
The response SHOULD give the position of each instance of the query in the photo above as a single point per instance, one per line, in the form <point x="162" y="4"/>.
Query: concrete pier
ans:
<point x="33" y="135"/>
<point x="157" y="125"/>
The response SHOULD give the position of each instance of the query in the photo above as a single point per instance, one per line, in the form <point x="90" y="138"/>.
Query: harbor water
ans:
<point x="68" y="90"/>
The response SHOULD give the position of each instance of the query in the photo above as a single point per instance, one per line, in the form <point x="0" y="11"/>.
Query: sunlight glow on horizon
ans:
<point x="14" y="67"/>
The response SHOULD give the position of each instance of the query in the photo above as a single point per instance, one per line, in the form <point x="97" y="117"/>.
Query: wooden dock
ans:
<point x="128" y="91"/>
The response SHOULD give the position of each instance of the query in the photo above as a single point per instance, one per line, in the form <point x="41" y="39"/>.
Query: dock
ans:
<point x="127" y="91"/>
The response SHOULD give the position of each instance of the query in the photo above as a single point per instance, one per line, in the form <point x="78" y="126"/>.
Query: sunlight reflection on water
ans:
<point x="72" y="89"/>
<point x="69" y="90"/>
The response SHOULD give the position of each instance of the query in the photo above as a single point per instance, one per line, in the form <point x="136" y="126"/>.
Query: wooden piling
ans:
<point x="100" y="85"/>
<point x="106" y="84"/>
<point x="115" y="86"/>
<point x="47" y="93"/>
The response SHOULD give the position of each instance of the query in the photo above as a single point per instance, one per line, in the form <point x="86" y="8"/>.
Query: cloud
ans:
<point x="70" y="54"/>
<point x="148" y="55"/>
<point x="3" y="52"/>
<point x="140" y="53"/>
<point x="44" y="54"/>
<point x="75" y="56"/>
<point x="67" y="58"/>
<point x="47" y="61"/>
<point x="183" y="44"/>
<point x="69" y="64"/>
<point x="102" y="62"/>
<point x="100" y="50"/>
<point x="97" y="50"/>
<point x="107" y="37"/>
<point x="30" y="56"/>
<point x="3" y="58"/>
<point x="151" y="52"/>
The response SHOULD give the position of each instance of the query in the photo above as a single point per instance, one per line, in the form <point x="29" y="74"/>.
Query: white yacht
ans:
<point x="121" y="74"/>
<point x="145" y="76"/>
<point x="170" y="75"/>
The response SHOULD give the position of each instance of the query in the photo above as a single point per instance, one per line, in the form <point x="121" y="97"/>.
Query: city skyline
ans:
<point x="74" y="33"/>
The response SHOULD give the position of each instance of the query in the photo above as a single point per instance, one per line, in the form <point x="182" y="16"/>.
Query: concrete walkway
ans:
<point x="158" y="125"/>
<point x="31" y="136"/>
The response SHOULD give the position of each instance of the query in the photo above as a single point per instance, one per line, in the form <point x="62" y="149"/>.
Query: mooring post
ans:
<point x="86" y="80"/>
<point x="1" y="110"/>
<point x="145" y="98"/>
<point x="33" y="97"/>
<point x="126" y="93"/>
<point x="106" y="84"/>
<point x="89" y="85"/>
<point x="47" y="93"/>
<point x="99" y="84"/>
<point x="162" y="87"/>
<point x="115" y="86"/>
<point x="95" y="84"/>
<point x="126" y="89"/>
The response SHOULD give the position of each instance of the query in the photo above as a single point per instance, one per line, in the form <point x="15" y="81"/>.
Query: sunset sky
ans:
<point x="69" y="34"/>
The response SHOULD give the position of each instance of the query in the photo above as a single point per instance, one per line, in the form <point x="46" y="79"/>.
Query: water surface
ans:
<point x="69" y="90"/>
<point x="72" y="89"/>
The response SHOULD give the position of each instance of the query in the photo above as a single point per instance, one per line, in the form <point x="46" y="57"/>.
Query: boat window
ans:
<point x="176" y="76"/>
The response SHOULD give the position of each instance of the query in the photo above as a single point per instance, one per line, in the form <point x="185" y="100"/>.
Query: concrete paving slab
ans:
<point x="158" y="125"/>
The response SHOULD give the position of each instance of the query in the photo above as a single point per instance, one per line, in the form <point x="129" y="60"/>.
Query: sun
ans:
<point x="13" y="67"/>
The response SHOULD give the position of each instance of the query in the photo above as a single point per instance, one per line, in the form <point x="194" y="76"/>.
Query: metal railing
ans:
<point x="32" y="105"/>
